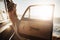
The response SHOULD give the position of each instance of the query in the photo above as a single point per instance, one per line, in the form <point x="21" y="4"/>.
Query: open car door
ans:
<point x="37" y="21"/>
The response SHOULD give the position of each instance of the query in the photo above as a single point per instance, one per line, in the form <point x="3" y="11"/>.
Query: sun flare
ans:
<point x="43" y="12"/>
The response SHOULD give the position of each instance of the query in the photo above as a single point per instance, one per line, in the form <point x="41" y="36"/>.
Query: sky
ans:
<point x="23" y="4"/>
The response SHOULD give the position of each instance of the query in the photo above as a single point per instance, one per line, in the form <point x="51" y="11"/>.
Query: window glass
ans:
<point x="41" y="12"/>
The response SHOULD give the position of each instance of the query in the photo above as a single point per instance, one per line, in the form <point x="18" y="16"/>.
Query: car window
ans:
<point x="41" y="12"/>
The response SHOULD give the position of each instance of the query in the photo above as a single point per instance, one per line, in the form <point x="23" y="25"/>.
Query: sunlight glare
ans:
<point x="43" y="12"/>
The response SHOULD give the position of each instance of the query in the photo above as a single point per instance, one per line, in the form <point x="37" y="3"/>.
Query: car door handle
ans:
<point x="32" y="28"/>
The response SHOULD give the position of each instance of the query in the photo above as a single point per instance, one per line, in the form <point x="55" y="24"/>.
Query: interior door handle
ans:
<point x="32" y="28"/>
